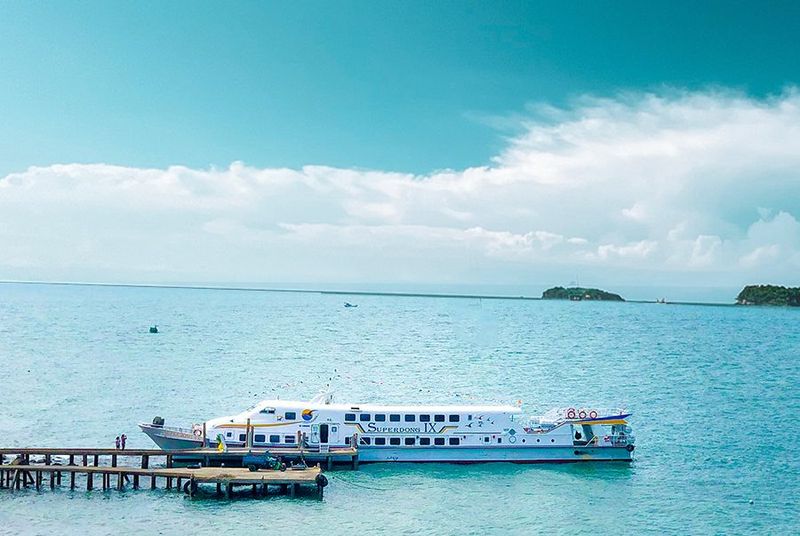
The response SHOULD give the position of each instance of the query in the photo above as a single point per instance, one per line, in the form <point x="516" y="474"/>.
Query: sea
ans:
<point x="714" y="392"/>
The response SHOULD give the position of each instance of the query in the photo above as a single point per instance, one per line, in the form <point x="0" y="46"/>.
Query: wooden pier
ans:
<point x="58" y="465"/>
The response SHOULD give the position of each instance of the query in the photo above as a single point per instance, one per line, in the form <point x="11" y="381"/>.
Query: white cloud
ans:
<point x="704" y="187"/>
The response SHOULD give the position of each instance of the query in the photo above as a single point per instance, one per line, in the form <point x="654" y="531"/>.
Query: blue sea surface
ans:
<point x="714" y="392"/>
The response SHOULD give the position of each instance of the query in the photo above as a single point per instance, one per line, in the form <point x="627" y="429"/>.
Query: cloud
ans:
<point x="703" y="188"/>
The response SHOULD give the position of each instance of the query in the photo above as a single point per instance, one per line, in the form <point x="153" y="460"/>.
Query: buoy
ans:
<point x="153" y="329"/>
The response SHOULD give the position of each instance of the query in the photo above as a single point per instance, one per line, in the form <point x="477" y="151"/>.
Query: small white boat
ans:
<point x="435" y="433"/>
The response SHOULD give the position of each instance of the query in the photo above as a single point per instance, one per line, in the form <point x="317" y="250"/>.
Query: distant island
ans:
<point x="579" y="294"/>
<point x="769" y="295"/>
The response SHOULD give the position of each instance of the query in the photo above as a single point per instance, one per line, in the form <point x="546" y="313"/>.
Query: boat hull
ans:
<point x="563" y="454"/>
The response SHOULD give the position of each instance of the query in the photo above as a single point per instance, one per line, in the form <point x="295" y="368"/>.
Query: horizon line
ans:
<point x="332" y="292"/>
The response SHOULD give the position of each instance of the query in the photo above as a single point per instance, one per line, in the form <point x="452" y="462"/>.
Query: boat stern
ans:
<point x="171" y="438"/>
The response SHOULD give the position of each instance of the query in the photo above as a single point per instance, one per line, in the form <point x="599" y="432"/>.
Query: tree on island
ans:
<point x="579" y="294"/>
<point x="769" y="295"/>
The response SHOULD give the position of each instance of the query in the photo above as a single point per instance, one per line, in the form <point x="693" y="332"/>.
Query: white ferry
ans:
<point x="441" y="433"/>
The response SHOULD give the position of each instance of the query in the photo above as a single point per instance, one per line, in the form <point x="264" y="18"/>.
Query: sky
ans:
<point x="401" y="143"/>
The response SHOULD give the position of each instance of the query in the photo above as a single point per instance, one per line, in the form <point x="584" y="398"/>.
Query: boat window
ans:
<point x="499" y="439"/>
<point x="380" y="440"/>
<point x="349" y="417"/>
<point x="380" y="417"/>
<point x="365" y="440"/>
<point x="410" y="418"/>
<point x="364" y="417"/>
<point x="242" y="437"/>
<point x="268" y="410"/>
<point x="438" y="441"/>
<point x="438" y="418"/>
<point x="409" y="441"/>
<point x="394" y="417"/>
<point x="259" y="438"/>
<point x="229" y="434"/>
<point x="424" y="440"/>
<point x="394" y="440"/>
<point x="486" y="439"/>
<point x="274" y="439"/>
<point x="454" y="418"/>
<point x="424" y="418"/>
<point x="454" y="440"/>
<point x="288" y="439"/>
<point x="290" y="415"/>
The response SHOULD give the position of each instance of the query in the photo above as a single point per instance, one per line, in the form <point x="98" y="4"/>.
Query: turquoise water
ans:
<point x="714" y="391"/>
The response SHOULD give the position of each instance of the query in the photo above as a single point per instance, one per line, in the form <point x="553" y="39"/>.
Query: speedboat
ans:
<point x="414" y="433"/>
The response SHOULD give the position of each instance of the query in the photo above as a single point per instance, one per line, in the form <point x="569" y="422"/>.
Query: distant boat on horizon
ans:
<point x="348" y="304"/>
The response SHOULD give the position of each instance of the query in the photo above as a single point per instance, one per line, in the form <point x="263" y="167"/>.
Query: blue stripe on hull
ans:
<point x="495" y="454"/>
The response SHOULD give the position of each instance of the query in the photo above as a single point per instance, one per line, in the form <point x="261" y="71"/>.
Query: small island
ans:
<point x="579" y="294"/>
<point x="769" y="295"/>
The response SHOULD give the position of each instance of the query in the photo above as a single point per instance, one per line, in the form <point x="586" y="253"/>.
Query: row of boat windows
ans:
<point x="289" y="415"/>
<point x="381" y="417"/>
<point x="409" y="441"/>
<point x="262" y="438"/>
<point x="396" y="417"/>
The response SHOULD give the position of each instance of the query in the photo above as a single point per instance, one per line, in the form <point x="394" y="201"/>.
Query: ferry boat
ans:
<point x="436" y="433"/>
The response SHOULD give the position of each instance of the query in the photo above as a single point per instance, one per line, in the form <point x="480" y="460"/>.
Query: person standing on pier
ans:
<point x="123" y="439"/>
<point x="116" y="443"/>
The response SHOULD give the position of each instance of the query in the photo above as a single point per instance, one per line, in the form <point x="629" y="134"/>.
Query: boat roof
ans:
<point x="380" y="408"/>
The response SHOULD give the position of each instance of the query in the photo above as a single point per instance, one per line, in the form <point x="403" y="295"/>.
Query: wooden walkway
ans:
<point x="20" y="472"/>
<point x="208" y="457"/>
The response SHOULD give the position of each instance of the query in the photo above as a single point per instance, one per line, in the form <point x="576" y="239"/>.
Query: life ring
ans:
<point x="629" y="448"/>
<point x="593" y="414"/>
<point x="197" y="430"/>
<point x="571" y="413"/>
<point x="512" y="439"/>
<point x="582" y="414"/>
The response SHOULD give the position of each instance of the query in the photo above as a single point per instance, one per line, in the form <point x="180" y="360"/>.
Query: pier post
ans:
<point x="72" y="480"/>
<point x="113" y="460"/>
<point x="219" y="488"/>
<point x="52" y="480"/>
<point x="204" y="436"/>
<point x="178" y="483"/>
<point x="145" y="461"/>
<point x="330" y="462"/>
<point x="228" y="490"/>
<point x="89" y="481"/>
<point x="255" y="490"/>
<point x="247" y="436"/>
<point x="135" y="481"/>
<point x="96" y="460"/>
<point x="38" y="480"/>
<point x="47" y="459"/>
<point x="169" y="461"/>
<point x="72" y="459"/>
<point x="169" y="482"/>
<point x="152" y="481"/>
<point x="293" y="490"/>
<point x="119" y="481"/>
<point x="85" y="460"/>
